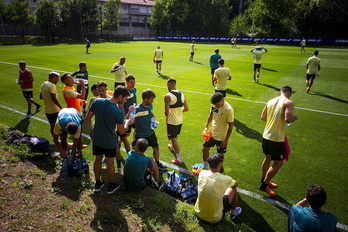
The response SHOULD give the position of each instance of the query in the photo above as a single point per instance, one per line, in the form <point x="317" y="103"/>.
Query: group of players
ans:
<point x="118" y="110"/>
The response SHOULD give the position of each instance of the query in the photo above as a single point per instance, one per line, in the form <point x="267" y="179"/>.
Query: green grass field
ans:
<point x="318" y="139"/>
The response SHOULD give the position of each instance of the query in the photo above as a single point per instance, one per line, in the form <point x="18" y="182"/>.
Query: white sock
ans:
<point x="178" y="157"/>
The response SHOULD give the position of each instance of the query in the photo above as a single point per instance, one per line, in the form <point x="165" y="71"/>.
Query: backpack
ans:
<point x="180" y="187"/>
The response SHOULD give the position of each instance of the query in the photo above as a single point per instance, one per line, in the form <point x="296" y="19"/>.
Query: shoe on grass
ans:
<point x="235" y="213"/>
<point x="112" y="188"/>
<point x="98" y="186"/>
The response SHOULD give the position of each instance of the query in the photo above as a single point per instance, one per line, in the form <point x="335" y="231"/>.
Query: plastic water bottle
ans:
<point x="77" y="81"/>
<point x="132" y="113"/>
<point x="65" y="167"/>
<point x="154" y="123"/>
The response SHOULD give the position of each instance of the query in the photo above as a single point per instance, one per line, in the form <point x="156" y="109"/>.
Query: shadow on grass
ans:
<point x="23" y="125"/>
<point x="198" y="62"/>
<point x="328" y="97"/>
<point x="268" y="69"/>
<point x="270" y="86"/>
<point x="71" y="187"/>
<point x="252" y="218"/>
<point x="232" y="92"/>
<point x="165" y="77"/>
<point x="246" y="131"/>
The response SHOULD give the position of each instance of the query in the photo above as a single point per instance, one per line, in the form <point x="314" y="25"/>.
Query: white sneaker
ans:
<point x="236" y="212"/>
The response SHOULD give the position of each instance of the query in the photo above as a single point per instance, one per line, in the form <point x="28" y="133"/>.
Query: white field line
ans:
<point x="184" y="170"/>
<point x="163" y="87"/>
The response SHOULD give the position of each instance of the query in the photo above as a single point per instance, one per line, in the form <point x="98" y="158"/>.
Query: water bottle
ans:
<point x="154" y="123"/>
<point x="65" y="167"/>
<point x="132" y="113"/>
<point x="77" y="81"/>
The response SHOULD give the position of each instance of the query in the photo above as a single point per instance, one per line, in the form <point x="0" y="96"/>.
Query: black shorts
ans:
<point x="310" y="76"/>
<point x="173" y="130"/>
<point x="119" y="83"/>
<point x="110" y="153"/>
<point x="158" y="61"/>
<point x="212" y="70"/>
<point x="28" y="94"/>
<point x="52" y="118"/>
<point x="221" y="91"/>
<point x="226" y="204"/>
<point x="152" y="140"/>
<point x="257" y="66"/>
<point x="212" y="142"/>
<point x="274" y="149"/>
<point x="192" y="53"/>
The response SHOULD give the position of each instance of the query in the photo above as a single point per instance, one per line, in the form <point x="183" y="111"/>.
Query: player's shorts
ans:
<point x="212" y="70"/>
<point x="87" y="46"/>
<point x="226" y="204"/>
<point x="221" y="91"/>
<point x="274" y="149"/>
<point x="123" y="135"/>
<point x="173" y="130"/>
<point x="158" y="61"/>
<point x="192" y="53"/>
<point x="52" y="118"/>
<point x="212" y="142"/>
<point x="28" y="94"/>
<point x="310" y="76"/>
<point x="119" y="83"/>
<point x="110" y="153"/>
<point x="257" y="66"/>
<point x="152" y="140"/>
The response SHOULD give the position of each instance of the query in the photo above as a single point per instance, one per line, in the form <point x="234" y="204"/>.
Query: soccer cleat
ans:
<point x="112" y="188"/>
<point x="267" y="190"/>
<point x="272" y="185"/>
<point x="98" y="186"/>
<point x="38" y="107"/>
<point x="28" y="114"/>
<point x="236" y="212"/>
<point x="161" y="166"/>
<point x="307" y="90"/>
<point x="177" y="162"/>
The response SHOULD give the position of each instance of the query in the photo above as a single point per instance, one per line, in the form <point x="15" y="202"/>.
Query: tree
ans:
<point x="273" y="17"/>
<point x="240" y="25"/>
<point x="18" y="14"/>
<point x="48" y="17"/>
<point x="112" y="14"/>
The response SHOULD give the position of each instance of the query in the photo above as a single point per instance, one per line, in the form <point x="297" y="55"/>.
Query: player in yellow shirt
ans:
<point x="257" y="52"/>
<point x="313" y="70"/>
<point x="157" y="58"/>
<point x="120" y="71"/>
<point x="222" y="118"/>
<point x="217" y="193"/>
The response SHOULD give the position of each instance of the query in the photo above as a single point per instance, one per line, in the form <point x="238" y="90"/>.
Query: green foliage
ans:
<point x="112" y="14"/>
<point x="240" y="25"/>
<point x="17" y="13"/>
<point x="47" y="17"/>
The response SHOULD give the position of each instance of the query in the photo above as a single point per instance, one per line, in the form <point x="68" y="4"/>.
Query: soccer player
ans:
<point x="157" y="58"/>
<point x="313" y="70"/>
<point x="217" y="193"/>
<point x="257" y="52"/>
<point x="48" y="93"/>
<point x="221" y="76"/>
<point x="143" y="124"/>
<point x="88" y="44"/>
<point x="277" y="113"/>
<point x="82" y="73"/>
<point x="214" y="64"/>
<point x="174" y="105"/>
<point x="303" y="218"/>
<point x="302" y="45"/>
<point x="69" y="121"/>
<point x="108" y="116"/>
<point x="138" y="168"/>
<point x="192" y="49"/>
<point x="222" y="118"/>
<point x="120" y="71"/>
<point x="25" y="81"/>
<point x="71" y="96"/>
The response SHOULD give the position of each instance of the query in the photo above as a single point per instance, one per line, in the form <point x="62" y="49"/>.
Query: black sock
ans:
<point x="118" y="163"/>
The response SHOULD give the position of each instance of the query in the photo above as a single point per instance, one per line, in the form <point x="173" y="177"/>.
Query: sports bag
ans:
<point x="180" y="187"/>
